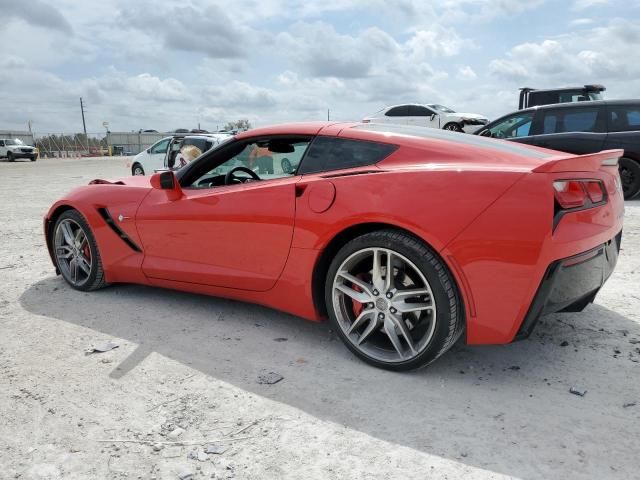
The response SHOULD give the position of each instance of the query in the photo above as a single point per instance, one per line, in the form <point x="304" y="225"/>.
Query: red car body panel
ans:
<point x="484" y="210"/>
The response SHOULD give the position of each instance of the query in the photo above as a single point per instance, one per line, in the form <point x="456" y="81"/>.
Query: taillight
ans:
<point x="573" y="195"/>
<point x="570" y="193"/>
<point x="595" y="190"/>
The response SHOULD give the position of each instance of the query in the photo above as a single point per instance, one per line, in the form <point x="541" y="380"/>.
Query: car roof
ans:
<point x="208" y="135"/>
<point x="397" y="135"/>
<point x="589" y="103"/>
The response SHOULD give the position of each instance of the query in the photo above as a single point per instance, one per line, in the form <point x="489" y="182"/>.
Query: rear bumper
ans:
<point x="569" y="284"/>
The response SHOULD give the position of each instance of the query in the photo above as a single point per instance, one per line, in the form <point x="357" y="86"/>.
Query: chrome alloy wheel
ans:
<point x="384" y="305"/>
<point x="73" y="252"/>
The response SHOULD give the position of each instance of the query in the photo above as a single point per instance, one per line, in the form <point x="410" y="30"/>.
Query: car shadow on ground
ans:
<point x="490" y="407"/>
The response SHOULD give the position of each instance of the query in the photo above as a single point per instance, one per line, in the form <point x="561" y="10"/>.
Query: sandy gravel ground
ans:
<point x="184" y="379"/>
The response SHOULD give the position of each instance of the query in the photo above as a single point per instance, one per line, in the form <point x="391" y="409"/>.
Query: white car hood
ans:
<point x="474" y="116"/>
<point x="14" y="147"/>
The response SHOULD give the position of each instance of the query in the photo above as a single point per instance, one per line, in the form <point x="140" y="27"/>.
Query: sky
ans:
<point x="166" y="64"/>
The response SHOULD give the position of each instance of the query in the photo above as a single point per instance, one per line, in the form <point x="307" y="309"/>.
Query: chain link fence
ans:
<point x="68" y="145"/>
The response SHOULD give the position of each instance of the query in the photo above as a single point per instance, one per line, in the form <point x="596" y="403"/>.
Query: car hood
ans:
<point x="132" y="181"/>
<point x="474" y="116"/>
<point x="21" y="146"/>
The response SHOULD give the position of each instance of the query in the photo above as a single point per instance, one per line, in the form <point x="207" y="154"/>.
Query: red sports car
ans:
<point x="406" y="238"/>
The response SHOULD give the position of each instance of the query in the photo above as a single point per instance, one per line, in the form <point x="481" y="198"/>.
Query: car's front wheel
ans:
<point x="34" y="158"/>
<point x="453" y="127"/>
<point x="76" y="252"/>
<point x="10" y="157"/>
<point x="392" y="301"/>
<point x="137" y="170"/>
<point x="630" y="177"/>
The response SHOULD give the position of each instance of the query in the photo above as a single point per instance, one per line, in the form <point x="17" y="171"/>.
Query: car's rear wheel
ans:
<point x="137" y="170"/>
<point x="453" y="127"/>
<point x="630" y="177"/>
<point x="76" y="252"/>
<point x="392" y="300"/>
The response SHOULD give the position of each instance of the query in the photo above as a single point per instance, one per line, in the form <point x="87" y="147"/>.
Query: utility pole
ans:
<point x="327" y="114"/>
<point x="84" y="125"/>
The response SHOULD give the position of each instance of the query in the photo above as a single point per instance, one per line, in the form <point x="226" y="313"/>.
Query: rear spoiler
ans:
<point x="580" y="163"/>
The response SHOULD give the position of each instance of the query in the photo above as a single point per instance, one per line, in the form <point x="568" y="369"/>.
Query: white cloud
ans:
<point x="585" y="4"/>
<point x="466" y="73"/>
<point x="578" y="22"/>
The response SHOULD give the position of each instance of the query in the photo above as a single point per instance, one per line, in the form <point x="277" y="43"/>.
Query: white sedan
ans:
<point x="428" y="115"/>
<point x="161" y="155"/>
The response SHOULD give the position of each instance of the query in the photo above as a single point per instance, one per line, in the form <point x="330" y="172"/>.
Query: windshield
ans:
<point x="441" y="108"/>
<point x="13" y="141"/>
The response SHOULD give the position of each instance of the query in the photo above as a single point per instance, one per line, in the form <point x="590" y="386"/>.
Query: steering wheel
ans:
<point x="231" y="178"/>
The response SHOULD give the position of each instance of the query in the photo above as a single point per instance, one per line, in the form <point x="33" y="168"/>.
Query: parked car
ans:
<point x="406" y="238"/>
<point x="428" y="115"/>
<point x="14" y="148"/>
<point x="580" y="128"/>
<point x="531" y="97"/>
<point x="161" y="155"/>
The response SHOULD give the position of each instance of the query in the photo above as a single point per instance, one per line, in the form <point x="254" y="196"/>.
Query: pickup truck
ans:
<point x="13" y="148"/>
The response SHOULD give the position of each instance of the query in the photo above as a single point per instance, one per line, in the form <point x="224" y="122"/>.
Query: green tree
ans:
<point x="242" y="124"/>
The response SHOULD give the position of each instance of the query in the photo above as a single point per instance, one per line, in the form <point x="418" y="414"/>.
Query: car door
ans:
<point x="624" y="128"/>
<point x="3" y="150"/>
<point x="234" y="236"/>
<point x="421" y="116"/>
<point x="574" y="129"/>
<point x="517" y="127"/>
<point x="156" y="156"/>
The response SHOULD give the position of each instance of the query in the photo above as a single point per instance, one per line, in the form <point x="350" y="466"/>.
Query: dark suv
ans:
<point x="583" y="127"/>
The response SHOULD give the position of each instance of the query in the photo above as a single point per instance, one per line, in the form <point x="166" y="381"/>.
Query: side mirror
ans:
<point x="148" y="150"/>
<point x="485" y="133"/>
<point x="168" y="182"/>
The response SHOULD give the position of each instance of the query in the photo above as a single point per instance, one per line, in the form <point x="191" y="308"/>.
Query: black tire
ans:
<point x="449" y="319"/>
<point x="453" y="127"/>
<point x="136" y="167"/>
<point x="10" y="157"/>
<point x="96" y="279"/>
<point x="33" y="159"/>
<point x="630" y="177"/>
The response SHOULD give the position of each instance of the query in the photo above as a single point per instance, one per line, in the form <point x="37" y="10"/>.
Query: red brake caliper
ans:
<point x="357" y="306"/>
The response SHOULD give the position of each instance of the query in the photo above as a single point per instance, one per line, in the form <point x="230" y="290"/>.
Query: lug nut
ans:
<point x="381" y="316"/>
<point x="376" y="292"/>
<point x="389" y="294"/>
<point x="392" y="310"/>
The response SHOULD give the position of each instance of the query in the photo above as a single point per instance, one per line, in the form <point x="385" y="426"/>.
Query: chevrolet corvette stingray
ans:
<point x="407" y="239"/>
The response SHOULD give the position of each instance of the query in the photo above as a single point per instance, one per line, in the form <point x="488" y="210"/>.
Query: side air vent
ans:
<point x="104" y="213"/>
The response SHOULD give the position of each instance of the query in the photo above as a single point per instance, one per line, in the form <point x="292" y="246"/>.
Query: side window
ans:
<point x="580" y="120"/>
<point x="624" y="118"/>
<point x="517" y="125"/>
<point x="401" y="111"/>
<point x="550" y="122"/>
<point x="418" y="111"/>
<point x="1" y="143"/>
<point x="268" y="158"/>
<point x="331" y="153"/>
<point x="160" y="147"/>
